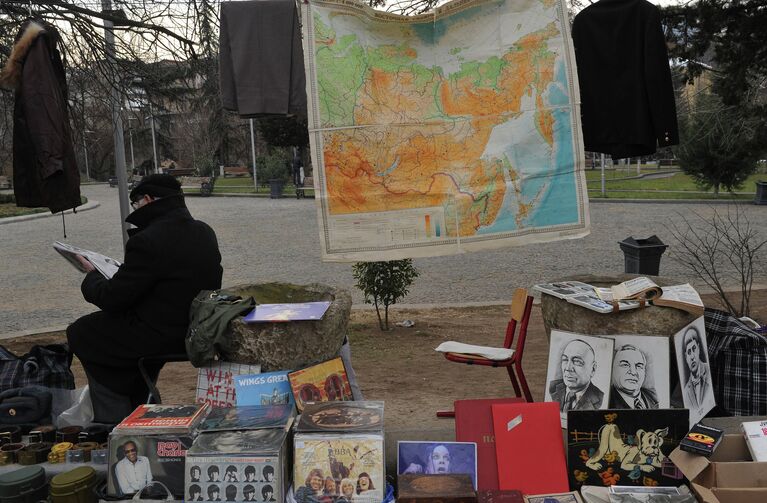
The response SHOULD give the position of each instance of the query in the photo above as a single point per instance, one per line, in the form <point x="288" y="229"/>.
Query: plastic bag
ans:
<point x="80" y="411"/>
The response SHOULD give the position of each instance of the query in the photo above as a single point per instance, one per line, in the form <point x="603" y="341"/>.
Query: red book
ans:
<point x="474" y="423"/>
<point x="529" y="447"/>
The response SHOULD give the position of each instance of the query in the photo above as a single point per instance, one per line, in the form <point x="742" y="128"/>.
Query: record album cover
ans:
<point x="324" y="382"/>
<point x="157" y="418"/>
<point x="135" y="460"/>
<point x="238" y="466"/>
<point x="215" y="382"/>
<point x="334" y="464"/>
<point x="356" y="416"/>
<point x="270" y="388"/>
<point x="252" y="417"/>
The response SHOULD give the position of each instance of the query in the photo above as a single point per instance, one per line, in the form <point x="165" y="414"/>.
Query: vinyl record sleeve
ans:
<point x="356" y="416"/>
<point x="249" y="418"/>
<point x="354" y="457"/>
<point x="164" y="453"/>
<point x="267" y="442"/>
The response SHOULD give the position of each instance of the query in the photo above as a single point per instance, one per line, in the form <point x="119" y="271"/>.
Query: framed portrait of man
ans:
<point x="694" y="371"/>
<point x="640" y="372"/>
<point x="578" y="376"/>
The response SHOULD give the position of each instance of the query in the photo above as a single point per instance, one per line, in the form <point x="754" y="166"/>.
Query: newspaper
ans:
<point x="637" y="288"/>
<point x="105" y="265"/>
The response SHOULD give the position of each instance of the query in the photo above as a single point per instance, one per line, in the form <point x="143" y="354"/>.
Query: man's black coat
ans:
<point x="627" y="97"/>
<point x="169" y="259"/>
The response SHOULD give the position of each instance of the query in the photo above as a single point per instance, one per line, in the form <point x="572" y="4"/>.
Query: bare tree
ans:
<point x="720" y="248"/>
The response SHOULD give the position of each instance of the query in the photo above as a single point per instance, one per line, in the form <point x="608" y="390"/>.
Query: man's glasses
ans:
<point x="126" y="451"/>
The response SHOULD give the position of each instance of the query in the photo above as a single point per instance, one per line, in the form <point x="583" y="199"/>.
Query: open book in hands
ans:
<point x="103" y="264"/>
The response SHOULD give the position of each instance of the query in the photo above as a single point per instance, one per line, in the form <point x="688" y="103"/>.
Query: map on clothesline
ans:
<point x="442" y="133"/>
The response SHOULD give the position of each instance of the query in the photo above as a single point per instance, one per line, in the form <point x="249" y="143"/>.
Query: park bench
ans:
<point x="236" y="171"/>
<point x="5" y="182"/>
<point x="307" y="185"/>
<point x="180" y="171"/>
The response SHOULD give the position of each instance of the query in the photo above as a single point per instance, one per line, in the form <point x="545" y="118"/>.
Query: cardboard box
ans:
<point x="728" y="476"/>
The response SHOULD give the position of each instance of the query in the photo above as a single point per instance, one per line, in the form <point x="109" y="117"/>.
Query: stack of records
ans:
<point x="339" y="452"/>
<point x="232" y="461"/>
<point x="148" y="448"/>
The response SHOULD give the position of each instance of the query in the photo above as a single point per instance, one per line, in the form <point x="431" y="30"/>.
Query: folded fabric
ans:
<point x="468" y="349"/>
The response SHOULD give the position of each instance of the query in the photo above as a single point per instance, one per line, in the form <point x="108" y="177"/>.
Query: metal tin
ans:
<point x="25" y="485"/>
<point x="74" y="486"/>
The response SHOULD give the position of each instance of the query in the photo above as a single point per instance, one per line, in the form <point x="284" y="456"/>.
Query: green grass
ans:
<point x="241" y="185"/>
<point x="678" y="182"/>
<point x="645" y="194"/>
<point x="11" y="210"/>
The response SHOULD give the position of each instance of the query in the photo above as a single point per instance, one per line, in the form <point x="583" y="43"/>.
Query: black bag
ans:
<point x="209" y="318"/>
<point x="31" y="404"/>
<point x="43" y="366"/>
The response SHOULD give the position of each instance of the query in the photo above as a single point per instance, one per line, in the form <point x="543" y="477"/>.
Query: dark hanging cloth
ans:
<point x="261" y="59"/>
<point x="627" y="98"/>
<point x="45" y="170"/>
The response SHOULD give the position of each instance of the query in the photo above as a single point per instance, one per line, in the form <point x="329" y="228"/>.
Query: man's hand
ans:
<point x="85" y="263"/>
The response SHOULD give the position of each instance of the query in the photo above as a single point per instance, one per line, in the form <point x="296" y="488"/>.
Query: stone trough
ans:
<point x="289" y="345"/>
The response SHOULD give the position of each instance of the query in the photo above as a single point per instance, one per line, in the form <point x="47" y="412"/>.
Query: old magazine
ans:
<point x="105" y="265"/>
<point x="584" y="295"/>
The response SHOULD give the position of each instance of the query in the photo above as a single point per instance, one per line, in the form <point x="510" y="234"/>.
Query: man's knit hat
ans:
<point x="156" y="185"/>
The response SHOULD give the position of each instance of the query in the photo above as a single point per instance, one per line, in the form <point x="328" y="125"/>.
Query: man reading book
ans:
<point x="144" y="309"/>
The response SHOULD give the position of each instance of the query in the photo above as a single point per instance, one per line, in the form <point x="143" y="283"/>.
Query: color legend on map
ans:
<point x="432" y="230"/>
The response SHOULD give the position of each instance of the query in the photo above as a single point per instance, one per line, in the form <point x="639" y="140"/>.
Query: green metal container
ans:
<point x="25" y="485"/>
<point x="74" y="486"/>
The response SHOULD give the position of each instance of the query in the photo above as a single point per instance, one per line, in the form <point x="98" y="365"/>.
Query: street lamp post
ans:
<point x="154" y="142"/>
<point x="85" y="155"/>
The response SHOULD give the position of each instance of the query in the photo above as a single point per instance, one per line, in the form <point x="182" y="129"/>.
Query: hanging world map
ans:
<point x="443" y="133"/>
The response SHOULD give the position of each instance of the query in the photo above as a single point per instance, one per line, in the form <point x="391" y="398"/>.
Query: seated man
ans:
<point x="169" y="258"/>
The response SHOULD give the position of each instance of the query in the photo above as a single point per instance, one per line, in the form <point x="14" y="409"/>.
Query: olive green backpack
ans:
<point x="209" y="318"/>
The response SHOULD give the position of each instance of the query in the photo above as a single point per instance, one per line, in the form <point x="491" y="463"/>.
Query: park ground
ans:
<point x="401" y="366"/>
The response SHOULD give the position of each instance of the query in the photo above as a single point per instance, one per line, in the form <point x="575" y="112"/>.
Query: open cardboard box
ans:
<point x="728" y="476"/>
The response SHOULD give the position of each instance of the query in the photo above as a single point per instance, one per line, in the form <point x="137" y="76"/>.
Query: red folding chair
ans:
<point x="521" y="306"/>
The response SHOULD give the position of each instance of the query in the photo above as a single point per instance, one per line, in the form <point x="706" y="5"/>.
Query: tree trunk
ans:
<point x="378" y="313"/>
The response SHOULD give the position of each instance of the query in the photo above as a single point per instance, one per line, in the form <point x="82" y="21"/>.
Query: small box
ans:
<point x="238" y="466"/>
<point x="443" y="488"/>
<point x="701" y="439"/>
<point x="728" y="476"/>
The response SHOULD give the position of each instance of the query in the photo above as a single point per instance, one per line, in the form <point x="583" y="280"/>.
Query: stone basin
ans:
<point x="289" y="345"/>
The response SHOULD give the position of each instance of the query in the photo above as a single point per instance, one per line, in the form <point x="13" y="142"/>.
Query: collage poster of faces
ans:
<point x="221" y="479"/>
<point x="628" y="371"/>
<point x="437" y="458"/>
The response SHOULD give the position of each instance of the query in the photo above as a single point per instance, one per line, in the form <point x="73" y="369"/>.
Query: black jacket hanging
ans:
<point x="627" y="97"/>
<point x="45" y="170"/>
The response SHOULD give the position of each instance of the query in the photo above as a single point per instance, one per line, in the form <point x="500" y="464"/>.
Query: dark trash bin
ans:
<point x="206" y="189"/>
<point x="761" y="193"/>
<point x="275" y="188"/>
<point x="642" y="256"/>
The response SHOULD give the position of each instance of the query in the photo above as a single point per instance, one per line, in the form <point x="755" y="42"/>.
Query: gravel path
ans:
<point x="277" y="240"/>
